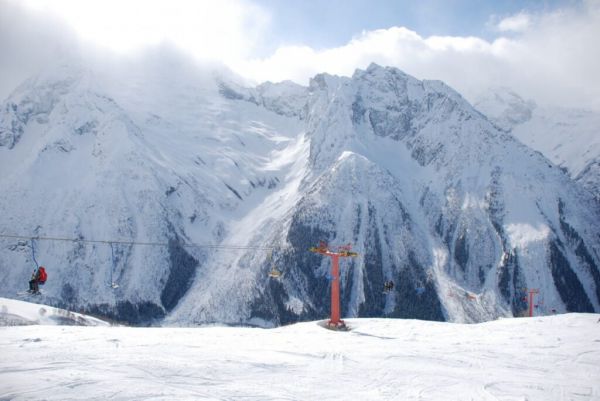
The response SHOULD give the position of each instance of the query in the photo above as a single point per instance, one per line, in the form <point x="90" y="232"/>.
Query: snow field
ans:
<point x="550" y="358"/>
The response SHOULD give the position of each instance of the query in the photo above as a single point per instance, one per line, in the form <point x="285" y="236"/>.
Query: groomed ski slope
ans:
<point x="549" y="358"/>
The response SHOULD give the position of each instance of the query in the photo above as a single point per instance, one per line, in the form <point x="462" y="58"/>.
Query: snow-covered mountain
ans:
<point x="431" y="194"/>
<point x="570" y="138"/>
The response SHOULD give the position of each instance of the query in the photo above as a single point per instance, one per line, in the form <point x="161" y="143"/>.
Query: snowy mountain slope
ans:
<point x="570" y="138"/>
<point x="433" y="196"/>
<point x="126" y="157"/>
<point x="545" y="358"/>
<point x="286" y="98"/>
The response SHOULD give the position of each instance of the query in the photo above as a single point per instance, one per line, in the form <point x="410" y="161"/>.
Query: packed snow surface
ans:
<point x="549" y="358"/>
<point x="20" y="313"/>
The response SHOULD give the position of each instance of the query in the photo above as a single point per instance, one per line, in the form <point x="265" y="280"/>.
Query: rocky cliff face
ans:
<point x="433" y="196"/>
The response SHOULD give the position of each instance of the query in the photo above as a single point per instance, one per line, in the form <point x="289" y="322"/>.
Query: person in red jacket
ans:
<point x="38" y="277"/>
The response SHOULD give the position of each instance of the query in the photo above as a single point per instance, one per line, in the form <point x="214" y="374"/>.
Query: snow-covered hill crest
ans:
<point x="21" y="313"/>
<point x="460" y="215"/>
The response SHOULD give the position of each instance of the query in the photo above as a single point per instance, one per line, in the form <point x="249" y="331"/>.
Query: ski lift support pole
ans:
<point x="532" y="292"/>
<point x="342" y="252"/>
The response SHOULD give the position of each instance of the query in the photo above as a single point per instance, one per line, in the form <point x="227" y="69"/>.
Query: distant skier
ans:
<point x="38" y="277"/>
<point x="388" y="286"/>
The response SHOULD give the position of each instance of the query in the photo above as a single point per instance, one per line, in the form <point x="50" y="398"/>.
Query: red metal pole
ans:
<point x="532" y="292"/>
<point x="530" y="303"/>
<point x="344" y="252"/>
<point x="335" y="290"/>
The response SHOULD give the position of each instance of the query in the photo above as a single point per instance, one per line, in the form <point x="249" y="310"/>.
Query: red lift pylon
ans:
<point x="342" y="252"/>
<point x="531" y="292"/>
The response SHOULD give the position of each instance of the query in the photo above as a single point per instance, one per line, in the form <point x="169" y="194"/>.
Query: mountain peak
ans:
<point x="374" y="67"/>
<point x="377" y="71"/>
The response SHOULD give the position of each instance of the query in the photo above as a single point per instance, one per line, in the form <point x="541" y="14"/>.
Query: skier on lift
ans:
<point x="38" y="278"/>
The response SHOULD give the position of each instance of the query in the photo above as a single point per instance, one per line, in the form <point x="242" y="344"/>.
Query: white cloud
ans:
<point x="28" y="42"/>
<point x="515" y="23"/>
<point x="225" y="30"/>
<point x="36" y="33"/>
<point x="555" y="60"/>
<point x="552" y="57"/>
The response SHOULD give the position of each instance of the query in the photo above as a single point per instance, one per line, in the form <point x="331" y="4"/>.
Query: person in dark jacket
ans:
<point x="37" y="277"/>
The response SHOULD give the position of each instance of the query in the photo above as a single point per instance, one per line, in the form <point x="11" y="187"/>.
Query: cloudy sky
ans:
<point x="544" y="50"/>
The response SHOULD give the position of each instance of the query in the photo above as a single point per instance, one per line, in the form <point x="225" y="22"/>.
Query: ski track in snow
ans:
<point x="550" y="358"/>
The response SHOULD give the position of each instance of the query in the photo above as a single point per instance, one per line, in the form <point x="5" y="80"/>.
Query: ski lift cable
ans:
<point x="125" y="242"/>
